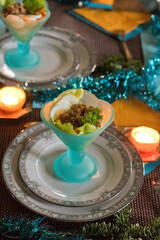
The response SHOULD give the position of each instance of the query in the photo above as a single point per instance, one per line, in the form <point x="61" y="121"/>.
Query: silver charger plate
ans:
<point x="114" y="166"/>
<point x="41" y="78"/>
<point x="25" y="196"/>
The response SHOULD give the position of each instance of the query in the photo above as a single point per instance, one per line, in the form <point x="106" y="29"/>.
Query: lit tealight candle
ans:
<point x="11" y="98"/>
<point x="145" y="139"/>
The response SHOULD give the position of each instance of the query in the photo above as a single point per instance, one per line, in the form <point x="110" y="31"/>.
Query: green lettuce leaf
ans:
<point x="5" y="3"/>
<point x="68" y="127"/>
<point x="87" y="128"/>
<point x="33" y="5"/>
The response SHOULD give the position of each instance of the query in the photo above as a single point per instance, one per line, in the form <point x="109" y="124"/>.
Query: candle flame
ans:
<point x="10" y="99"/>
<point x="144" y="137"/>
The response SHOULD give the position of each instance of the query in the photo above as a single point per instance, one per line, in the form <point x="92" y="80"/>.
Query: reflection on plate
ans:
<point x="58" y="59"/>
<point x="63" y="54"/>
<point x="36" y="169"/>
<point x="86" y="54"/>
<point x="17" y="187"/>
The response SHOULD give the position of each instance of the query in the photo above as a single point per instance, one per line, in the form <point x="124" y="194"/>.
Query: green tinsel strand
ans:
<point x="138" y="232"/>
<point x="116" y="63"/>
<point x="110" y="230"/>
<point x="155" y="226"/>
<point x="121" y="229"/>
<point x="98" y="229"/>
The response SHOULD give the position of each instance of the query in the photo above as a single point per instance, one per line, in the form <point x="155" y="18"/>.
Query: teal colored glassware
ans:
<point x="76" y="165"/>
<point x="23" y="57"/>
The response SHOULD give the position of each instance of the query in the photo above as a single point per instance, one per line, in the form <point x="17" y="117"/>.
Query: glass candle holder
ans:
<point x="12" y="98"/>
<point x="23" y="57"/>
<point x="76" y="165"/>
<point x="147" y="141"/>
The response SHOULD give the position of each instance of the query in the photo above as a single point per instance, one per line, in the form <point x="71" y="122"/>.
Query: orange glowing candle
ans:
<point x="145" y="139"/>
<point x="12" y="98"/>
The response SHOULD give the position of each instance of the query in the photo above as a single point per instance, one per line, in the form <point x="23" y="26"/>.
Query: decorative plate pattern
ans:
<point x="36" y="169"/>
<point x="88" y="213"/>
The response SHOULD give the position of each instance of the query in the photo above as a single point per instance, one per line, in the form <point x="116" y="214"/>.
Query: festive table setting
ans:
<point x="80" y="119"/>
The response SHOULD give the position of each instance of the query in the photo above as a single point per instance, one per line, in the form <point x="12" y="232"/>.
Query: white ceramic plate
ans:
<point x="58" y="59"/>
<point x="68" y="213"/>
<point x="36" y="169"/>
<point x="84" y="60"/>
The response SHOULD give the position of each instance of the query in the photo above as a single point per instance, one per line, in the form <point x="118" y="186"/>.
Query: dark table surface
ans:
<point x="145" y="205"/>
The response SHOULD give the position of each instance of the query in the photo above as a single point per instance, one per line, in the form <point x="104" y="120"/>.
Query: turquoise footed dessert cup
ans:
<point x="23" y="57"/>
<point x="76" y="165"/>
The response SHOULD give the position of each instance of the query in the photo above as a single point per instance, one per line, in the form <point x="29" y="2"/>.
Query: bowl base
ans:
<point x="75" y="173"/>
<point x="21" y="61"/>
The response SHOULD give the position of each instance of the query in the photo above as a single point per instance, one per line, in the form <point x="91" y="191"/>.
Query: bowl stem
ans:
<point x="22" y="57"/>
<point x="75" y="166"/>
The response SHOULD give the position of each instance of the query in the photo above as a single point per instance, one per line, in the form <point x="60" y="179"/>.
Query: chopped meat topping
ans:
<point x="79" y="114"/>
<point x="15" y="9"/>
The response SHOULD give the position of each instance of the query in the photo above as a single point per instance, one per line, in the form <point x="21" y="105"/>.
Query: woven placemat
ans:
<point x="145" y="205"/>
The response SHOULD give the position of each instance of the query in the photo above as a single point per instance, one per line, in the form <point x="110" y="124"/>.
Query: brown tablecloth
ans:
<point x="145" y="205"/>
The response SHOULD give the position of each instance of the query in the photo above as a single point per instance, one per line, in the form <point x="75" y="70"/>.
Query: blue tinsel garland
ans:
<point x="115" y="85"/>
<point x="23" y="228"/>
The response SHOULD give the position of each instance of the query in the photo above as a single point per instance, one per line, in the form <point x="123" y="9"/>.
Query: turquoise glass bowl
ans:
<point x="22" y="57"/>
<point x="76" y="165"/>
